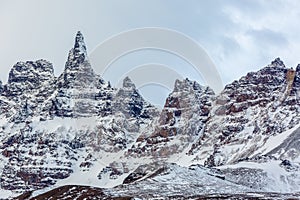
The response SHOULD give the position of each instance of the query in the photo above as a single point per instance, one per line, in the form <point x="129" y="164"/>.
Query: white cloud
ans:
<point x="263" y="30"/>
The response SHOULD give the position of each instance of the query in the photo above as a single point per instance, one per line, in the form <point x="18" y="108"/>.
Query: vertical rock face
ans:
<point x="1" y="87"/>
<point x="180" y="123"/>
<point x="188" y="100"/>
<point x="249" y="111"/>
<point x="6" y="108"/>
<point x="294" y="91"/>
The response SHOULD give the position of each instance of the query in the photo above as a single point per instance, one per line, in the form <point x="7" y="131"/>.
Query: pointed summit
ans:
<point x="277" y="63"/>
<point x="78" y="54"/>
<point x="80" y="47"/>
<point x="127" y="83"/>
<point x="78" y="70"/>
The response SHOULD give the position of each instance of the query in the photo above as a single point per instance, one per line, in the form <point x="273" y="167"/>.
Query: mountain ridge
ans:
<point x="76" y="128"/>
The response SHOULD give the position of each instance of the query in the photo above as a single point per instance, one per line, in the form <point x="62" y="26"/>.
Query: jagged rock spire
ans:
<point x="187" y="85"/>
<point x="127" y="83"/>
<point x="277" y="63"/>
<point x="78" y="54"/>
<point x="78" y="70"/>
<point x="79" y="46"/>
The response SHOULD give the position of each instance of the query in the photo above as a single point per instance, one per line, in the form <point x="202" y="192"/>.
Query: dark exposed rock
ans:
<point x="277" y="62"/>
<point x="249" y="111"/>
<point x="1" y="87"/>
<point x="74" y="192"/>
<point x="131" y="103"/>
<point x="182" y="118"/>
<point x="25" y="77"/>
<point x="114" y="170"/>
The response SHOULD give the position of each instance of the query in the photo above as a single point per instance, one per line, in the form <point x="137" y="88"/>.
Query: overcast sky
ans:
<point x="239" y="36"/>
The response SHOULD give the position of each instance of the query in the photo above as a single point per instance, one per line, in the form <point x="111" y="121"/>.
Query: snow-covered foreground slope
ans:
<point x="171" y="181"/>
<point x="76" y="129"/>
<point x="265" y="175"/>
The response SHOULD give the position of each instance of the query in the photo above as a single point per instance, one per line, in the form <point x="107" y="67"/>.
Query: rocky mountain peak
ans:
<point x="187" y="85"/>
<point x="28" y="76"/>
<point x="181" y="85"/>
<point x="33" y="71"/>
<point x="127" y="83"/>
<point x="131" y="103"/>
<point x="78" y="71"/>
<point x="187" y="98"/>
<point x="77" y="125"/>
<point x="277" y="63"/>
<point x="79" y="46"/>
<point x="78" y="54"/>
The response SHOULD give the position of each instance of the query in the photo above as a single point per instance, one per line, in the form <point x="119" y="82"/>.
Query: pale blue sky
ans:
<point x="239" y="36"/>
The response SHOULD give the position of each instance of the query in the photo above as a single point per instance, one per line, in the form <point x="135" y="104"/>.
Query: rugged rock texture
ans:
<point x="77" y="128"/>
<point x="81" y="93"/>
<point x="28" y="77"/>
<point x="131" y="104"/>
<point x="1" y="87"/>
<point x="180" y="123"/>
<point x="248" y="112"/>
<point x="30" y="85"/>
<point x="78" y="72"/>
<point x="35" y="158"/>
<point x="49" y="125"/>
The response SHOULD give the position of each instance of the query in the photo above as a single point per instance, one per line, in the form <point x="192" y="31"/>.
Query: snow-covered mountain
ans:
<point x="250" y="112"/>
<point x="76" y="129"/>
<point x="50" y="125"/>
